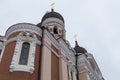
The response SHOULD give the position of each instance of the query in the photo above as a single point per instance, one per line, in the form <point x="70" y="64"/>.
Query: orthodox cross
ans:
<point x="52" y="7"/>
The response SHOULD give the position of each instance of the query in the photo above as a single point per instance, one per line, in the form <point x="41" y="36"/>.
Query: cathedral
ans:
<point x="42" y="52"/>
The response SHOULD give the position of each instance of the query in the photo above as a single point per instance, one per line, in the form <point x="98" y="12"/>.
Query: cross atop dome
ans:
<point x="78" y="49"/>
<point x="52" y="7"/>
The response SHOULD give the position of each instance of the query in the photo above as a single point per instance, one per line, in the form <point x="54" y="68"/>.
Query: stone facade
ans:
<point x="50" y="56"/>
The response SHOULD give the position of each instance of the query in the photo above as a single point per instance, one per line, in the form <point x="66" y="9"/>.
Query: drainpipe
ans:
<point x="41" y="54"/>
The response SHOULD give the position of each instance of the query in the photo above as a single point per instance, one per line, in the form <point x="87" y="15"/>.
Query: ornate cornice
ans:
<point x="53" y="21"/>
<point x="23" y="27"/>
<point x="67" y="51"/>
<point x="23" y="38"/>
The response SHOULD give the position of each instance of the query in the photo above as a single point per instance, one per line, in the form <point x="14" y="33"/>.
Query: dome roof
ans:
<point x="79" y="49"/>
<point x="39" y="25"/>
<point x="52" y="14"/>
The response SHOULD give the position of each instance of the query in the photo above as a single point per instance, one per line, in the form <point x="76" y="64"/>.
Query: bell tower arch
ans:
<point x="54" y="22"/>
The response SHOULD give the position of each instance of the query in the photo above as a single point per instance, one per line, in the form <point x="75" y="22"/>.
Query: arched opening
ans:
<point x="24" y="53"/>
<point x="55" y="30"/>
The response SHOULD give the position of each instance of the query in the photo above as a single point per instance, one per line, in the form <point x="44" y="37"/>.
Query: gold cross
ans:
<point x="75" y="37"/>
<point x="52" y="6"/>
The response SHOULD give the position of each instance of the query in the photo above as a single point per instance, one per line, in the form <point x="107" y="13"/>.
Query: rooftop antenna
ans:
<point x="52" y="7"/>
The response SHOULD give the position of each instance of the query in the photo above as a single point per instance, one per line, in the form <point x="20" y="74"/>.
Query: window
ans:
<point x="55" y="30"/>
<point x="24" y="53"/>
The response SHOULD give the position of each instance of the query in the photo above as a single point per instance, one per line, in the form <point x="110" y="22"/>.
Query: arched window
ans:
<point x="55" y="30"/>
<point x="24" y="53"/>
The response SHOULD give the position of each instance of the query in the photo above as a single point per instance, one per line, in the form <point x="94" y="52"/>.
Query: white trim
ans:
<point x="24" y="27"/>
<point x="49" y="47"/>
<point x="30" y="66"/>
<point x="67" y="51"/>
<point x="62" y="46"/>
<point x="74" y="74"/>
<point x="69" y="72"/>
<point x="52" y="39"/>
<point x="23" y="38"/>
<point x="3" y="48"/>
<point x="55" y="21"/>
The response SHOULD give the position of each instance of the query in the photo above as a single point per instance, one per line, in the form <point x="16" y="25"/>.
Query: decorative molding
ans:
<point x="74" y="73"/>
<point x="20" y="40"/>
<point x="83" y="71"/>
<point x="52" y="39"/>
<point x="67" y="51"/>
<point x="23" y="38"/>
<point x="24" y="27"/>
<point x="57" y="45"/>
<point x="62" y="46"/>
<point x="69" y="72"/>
<point x="49" y="47"/>
<point x="96" y="71"/>
<point x="59" y="56"/>
<point x="3" y="48"/>
<point x="54" y="21"/>
<point x="83" y="61"/>
<point x="1" y="45"/>
<point x="93" y="76"/>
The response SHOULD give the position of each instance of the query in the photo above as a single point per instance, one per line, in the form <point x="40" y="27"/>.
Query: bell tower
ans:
<point x="54" y="22"/>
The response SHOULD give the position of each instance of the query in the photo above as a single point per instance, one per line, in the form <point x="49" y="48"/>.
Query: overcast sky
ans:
<point x="96" y="22"/>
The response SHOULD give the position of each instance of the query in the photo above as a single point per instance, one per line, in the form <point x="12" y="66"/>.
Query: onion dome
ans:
<point x="39" y="24"/>
<point x="79" y="49"/>
<point x="52" y="14"/>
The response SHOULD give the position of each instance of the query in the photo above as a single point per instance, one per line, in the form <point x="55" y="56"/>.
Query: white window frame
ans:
<point x="15" y="66"/>
<point x="2" y="51"/>
<point x="29" y="54"/>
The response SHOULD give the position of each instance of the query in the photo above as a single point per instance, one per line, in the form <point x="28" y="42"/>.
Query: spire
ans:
<point x="52" y="7"/>
<point x="76" y="43"/>
<point x="78" y="49"/>
<point x="76" y="37"/>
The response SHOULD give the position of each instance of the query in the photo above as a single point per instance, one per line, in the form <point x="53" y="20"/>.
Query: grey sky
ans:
<point x="96" y="22"/>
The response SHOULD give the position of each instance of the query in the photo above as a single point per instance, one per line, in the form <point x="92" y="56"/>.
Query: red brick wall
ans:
<point x="54" y="67"/>
<point x="13" y="35"/>
<point x="5" y="74"/>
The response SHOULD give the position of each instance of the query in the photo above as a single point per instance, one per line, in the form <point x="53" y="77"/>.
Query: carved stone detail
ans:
<point x="24" y="37"/>
<point x="24" y="27"/>
<point x="54" y="21"/>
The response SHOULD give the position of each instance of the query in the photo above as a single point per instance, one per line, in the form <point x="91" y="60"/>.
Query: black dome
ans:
<point x="52" y="14"/>
<point x="79" y="49"/>
<point x="39" y="24"/>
